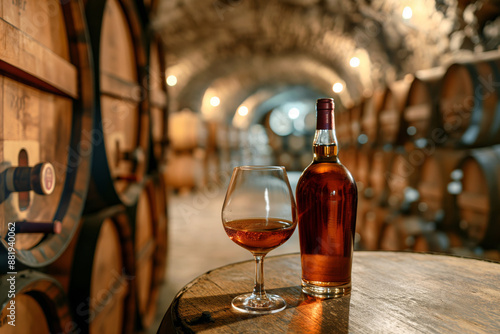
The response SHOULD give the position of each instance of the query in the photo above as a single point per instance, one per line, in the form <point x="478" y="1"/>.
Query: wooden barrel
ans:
<point x="380" y="164"/>
<point x="185" y="171"/>
<point x="103" y="273"/>
<point x="469" y="102"/>
<point x="478" y="202"/>
<point x="421" y="115"/>
<point x="45" y="129"/>
<point x="149" y="234"/>
<point x="122" y="118"/>
<point x="362" y="172"/>
<point x="402" y="178"/>
<point x="370" y="227"/>
<point x="369" y="119"/>
<point x="399" y="232"/>
<point x="40" y="305"/>
<point x="343" y="127"/>
<point x="372" y="205"/>
<point x="363" y="160"/>
<point x="186" y="130"/>
<point x="390" y="117"/>
<point x="348" y="158"/>
<point x="157" y="101"/>
<point x="355" y="113"/>
<point x="436" y="203"/>
<point x="437" y="241"/>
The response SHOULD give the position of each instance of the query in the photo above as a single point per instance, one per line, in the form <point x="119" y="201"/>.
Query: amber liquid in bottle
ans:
<point x="326" y="203"/>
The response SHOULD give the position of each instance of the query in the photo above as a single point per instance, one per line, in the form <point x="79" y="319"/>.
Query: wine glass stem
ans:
<point x="258" y="289"/>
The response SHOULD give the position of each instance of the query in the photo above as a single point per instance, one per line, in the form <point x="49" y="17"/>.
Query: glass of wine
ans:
<point x="259" y="214"/>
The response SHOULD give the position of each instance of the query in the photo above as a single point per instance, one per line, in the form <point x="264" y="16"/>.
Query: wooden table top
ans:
<point x="393" y="292"/>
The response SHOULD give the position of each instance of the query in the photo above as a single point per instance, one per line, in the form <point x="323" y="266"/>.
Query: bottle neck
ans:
<point x="325" y="146"/>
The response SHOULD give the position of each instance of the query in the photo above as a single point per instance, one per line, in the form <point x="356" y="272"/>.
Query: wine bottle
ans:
<point x="326" y="203"/>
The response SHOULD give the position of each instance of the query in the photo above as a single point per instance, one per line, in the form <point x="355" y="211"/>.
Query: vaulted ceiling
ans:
<point x="235" y="48"/>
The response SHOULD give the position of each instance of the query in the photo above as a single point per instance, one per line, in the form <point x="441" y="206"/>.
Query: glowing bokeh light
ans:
<point x="354" y="62"/>
<point x="407" y="13"/>
<point x="293" y="113"/>
<point x="243" y="111"/>
<point x="214" y="101"/>
<point x="171" y="80"/>
<point x="338" y="87"/>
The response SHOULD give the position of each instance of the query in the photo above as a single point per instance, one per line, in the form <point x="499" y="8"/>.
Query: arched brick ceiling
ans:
<point x="214" y="41"/>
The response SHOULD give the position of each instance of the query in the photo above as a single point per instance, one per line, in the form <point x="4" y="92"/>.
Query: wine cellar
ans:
<point x="121" y="122"/>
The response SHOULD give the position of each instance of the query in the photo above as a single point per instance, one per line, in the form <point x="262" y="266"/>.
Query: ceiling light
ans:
<point x="243" y="111"/>
<point x="214" y="101"/>
<point x="338" y="87"/>
<point x="407" y="13"/>
<point x="293" y="113"/>
<point x="354" y="62"/>
<point x="171" y="80"/>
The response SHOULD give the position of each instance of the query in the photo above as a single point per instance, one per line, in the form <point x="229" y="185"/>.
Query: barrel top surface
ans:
<point x="392" y="292"/>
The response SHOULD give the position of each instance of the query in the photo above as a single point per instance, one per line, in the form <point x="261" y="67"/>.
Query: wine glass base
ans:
<point x="325" y="291"/>
<point x="249" y="303"/>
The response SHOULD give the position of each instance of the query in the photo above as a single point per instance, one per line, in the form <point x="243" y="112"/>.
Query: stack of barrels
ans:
<point x="82" y="167"/>
<point x="426" y="157"/>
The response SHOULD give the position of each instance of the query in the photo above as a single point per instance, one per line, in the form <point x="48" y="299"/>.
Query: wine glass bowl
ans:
<point x="259" y="214"/>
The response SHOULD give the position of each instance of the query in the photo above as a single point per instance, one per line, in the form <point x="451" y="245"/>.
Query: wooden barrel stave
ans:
<point x="49" y="118"/>
<point x="158" y="101"/>
<point x="149" y="240"/>
<point x="161" y="227"/>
